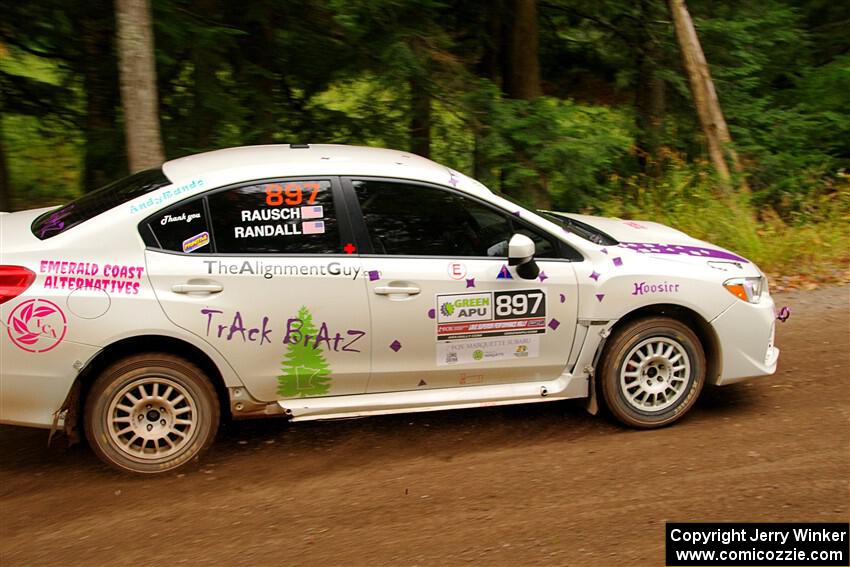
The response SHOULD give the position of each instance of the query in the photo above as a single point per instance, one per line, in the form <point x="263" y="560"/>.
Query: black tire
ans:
<point x="662" y="392"/>
<point x="174" y="419"/>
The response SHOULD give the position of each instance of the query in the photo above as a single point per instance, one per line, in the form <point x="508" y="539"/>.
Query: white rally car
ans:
<point x="325" y="281"/>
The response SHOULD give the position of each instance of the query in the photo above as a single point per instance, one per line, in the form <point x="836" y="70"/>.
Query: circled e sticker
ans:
<point x="456" y="270"/>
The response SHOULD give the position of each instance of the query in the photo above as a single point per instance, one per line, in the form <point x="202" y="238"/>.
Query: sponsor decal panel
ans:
<point x="490" y="314"/>
<point x="487" y="350"/>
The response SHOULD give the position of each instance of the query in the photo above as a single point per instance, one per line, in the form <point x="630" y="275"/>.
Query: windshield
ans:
<point x="92" y="204"/>
<point x="579" y="228"/>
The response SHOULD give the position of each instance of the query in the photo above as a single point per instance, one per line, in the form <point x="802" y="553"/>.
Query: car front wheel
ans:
<point x="652" y="372"/>
<point x="151" y="413"/>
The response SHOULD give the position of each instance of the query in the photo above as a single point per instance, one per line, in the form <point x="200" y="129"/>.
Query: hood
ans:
<point x="656" y="239"/>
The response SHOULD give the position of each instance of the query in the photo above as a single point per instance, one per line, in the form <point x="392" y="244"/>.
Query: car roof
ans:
<point x="232" y="165"/>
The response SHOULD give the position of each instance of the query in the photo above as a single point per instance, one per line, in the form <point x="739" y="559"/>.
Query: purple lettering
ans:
<point x="357" y="336"/>
<point x="237" y="327"/>
<point x="293" y="334"/>
<point x="209" y="314"/>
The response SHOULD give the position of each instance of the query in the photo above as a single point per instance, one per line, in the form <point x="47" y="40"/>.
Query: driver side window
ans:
<point x="415" y="220"/>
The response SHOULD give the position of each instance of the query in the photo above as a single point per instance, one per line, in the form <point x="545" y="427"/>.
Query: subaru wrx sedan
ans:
<point x="322" y="281"/>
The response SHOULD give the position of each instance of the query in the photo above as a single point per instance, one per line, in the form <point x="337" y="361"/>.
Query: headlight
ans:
<point x="748" y="289"/>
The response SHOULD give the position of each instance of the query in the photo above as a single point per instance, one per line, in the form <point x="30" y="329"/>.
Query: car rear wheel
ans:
<point x="652" y="372"/>
<point x="151" y="413"/>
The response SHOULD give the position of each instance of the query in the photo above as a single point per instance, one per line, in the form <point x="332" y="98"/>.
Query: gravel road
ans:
<point x="544" y="484"/>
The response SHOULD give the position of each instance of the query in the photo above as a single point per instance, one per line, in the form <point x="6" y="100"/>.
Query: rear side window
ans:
<point x="92" y="204"/>
<point x="282" y="217"/>
<point x="182" y="228"/>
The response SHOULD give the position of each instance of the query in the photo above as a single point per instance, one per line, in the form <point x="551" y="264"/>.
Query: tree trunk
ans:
<point x="104" y="158"/>
<point x="495" y="38"/>
<point x="702" y="88"/>
<point x="522" y="77"/>
<point x="649" y="95"/>
<point x="521" y="80"/>
<point x="204" y="120"/>
<point x="5" y="187"/>
<point x="649" y="114"/>
<point x="420" y="119"/>
<point x="138" y="84"/>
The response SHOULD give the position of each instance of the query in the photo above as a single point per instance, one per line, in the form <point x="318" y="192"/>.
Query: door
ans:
<point x="259" y="271"/>
<point x="446" y="308"/>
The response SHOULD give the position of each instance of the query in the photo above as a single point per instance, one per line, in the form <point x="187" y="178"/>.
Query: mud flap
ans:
<point x="68" y="412"/>
<point x="591" y="405"/>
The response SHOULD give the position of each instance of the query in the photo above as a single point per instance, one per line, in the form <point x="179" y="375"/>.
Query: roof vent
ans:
<point x="299" y="146"/>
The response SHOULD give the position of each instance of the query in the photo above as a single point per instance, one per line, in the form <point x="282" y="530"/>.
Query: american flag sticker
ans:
<point x="313" y="227"/>
<point x="315" y="212"/>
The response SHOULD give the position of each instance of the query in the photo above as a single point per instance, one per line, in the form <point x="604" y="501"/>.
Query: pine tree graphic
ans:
<point x="305" y="371"/>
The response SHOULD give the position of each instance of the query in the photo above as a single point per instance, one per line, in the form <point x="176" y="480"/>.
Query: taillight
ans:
<point x="13" y="281"/>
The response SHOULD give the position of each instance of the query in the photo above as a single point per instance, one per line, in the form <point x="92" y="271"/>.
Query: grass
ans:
<point x="814" y="249"/>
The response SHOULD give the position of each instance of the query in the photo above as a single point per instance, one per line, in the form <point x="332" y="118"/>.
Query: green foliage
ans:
<point x="42" y="147"/>
<point x="685" y="198"/>
<point x="270" y="71"/>
<point x="789" y="118"/>
<point x="305" y="371"/>
<point x="568" y="146"/>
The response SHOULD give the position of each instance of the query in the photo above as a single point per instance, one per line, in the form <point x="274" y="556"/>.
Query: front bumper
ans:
<point x="745" y="332"/>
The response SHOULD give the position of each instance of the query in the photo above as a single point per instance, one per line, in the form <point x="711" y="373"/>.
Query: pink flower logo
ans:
<point x="37" y="325"/>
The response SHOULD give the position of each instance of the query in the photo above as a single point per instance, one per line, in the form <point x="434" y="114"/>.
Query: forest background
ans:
<point x="574" y="105"/>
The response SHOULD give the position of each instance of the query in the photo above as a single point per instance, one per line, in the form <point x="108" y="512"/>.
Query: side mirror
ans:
<point x="521" y="255"/>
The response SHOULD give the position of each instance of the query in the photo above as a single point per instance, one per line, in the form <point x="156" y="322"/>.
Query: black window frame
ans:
<point x="567" y="253"/>
<point x="341" y="209"/>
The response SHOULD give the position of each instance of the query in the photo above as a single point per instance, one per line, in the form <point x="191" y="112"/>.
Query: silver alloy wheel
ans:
<point x="152" y="418"/>
<point x="655" y="375"/>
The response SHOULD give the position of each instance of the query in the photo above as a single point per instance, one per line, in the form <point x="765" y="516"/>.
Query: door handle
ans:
<point x="393" y="290"/>
<point x="197" y="288"/>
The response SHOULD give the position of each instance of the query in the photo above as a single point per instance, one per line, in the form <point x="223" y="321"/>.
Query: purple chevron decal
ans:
<point x="679" y="249"/>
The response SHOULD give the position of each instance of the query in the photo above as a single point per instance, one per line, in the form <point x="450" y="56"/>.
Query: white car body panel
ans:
<point x="407" y="319"/>
<point x="653" y="265"/>
<point x="338" y="300"/>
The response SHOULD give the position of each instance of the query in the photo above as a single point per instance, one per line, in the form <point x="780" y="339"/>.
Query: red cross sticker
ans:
<point x="349" y="248"/>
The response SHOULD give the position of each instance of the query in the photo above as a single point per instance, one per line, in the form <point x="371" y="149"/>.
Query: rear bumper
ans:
<point x="746" y="335"/>
<point x="34" y="385"/>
